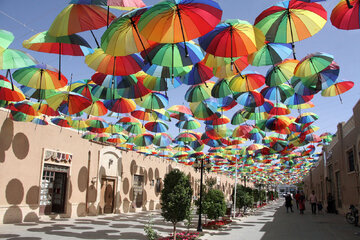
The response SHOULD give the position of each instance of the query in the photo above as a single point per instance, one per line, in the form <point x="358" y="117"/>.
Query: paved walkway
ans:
<point x="269" y="223"/>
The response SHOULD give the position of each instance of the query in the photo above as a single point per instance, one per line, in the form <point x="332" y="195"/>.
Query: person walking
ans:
<point x="297" y="196"/>
<point x="288" y="202"/>
<point x="302" y="203"/>
<point x="313" y="202"/>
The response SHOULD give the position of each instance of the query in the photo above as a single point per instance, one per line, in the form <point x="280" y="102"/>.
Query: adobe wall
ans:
<point x="22" y="147"/>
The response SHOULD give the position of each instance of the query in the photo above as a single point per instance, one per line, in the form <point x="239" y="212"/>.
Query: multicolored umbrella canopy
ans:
<point x="12" y="58"/>
<point x="174" y="54"/>
<point x="114" y="65"/>
<point x="96" y="108"/>
<point x="121" y="105"/>
<point x="161" y="84"/>
<point x="281" y="72"/>
<point x="337" y="89"/>
<point x="153" y="100"/>
<point x="291" y="21"/>
<point x="232" y="38"/>
<point x="246" y="82"/>
<point x="40" y="76"/>
<point x="313" y="64"/>
<point x="77" y="18"/>
<point x="117" y="4"/>
<point x="9" y="92"/>
<point x="174" y="21"/>
<point x="270" y="54"/>
<point x="200" y="73"/>
<point x="6" y="38"/>
<point x="72" y="103"/>
<point x="158" y="126"/>
<point x="345" y="15"/>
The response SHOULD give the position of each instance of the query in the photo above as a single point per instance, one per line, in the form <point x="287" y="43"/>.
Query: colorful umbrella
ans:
<point x="162" y="139"/>
<point x="221" y="89"/>
<point x="153" y="100"/>
<point x="175" y="54"/>
<point x="124" y="32"/>
<point x="250" y="98"/>
<point x="243" y="37"/>
<point x="278" y="93"/>
<point x="345" y="15"/>
<point x="121" y="105"/>
<point x="291" y="21"/>
<point x="174" y="21"/>
<point x="40" y="76"/>
<point x="313" y="64"/>
<point x="114" y="65"/>
<point x="200" y="73"/>
<point x="6" y="38"/>
<point x="96" y="109"/>
<point x="60" y="121"/>
<point x="158" y="126"/>
<point x="144" y="139"/>
<point x="248" y="81"/>
<point x="72" y="103"/>
<point x="9" y="92"/>
<point x="161" y="84"/>
<point x="79" y="18"/>
<point x="281" y="72"/>
<point x="72" y="45"/>
<point x="337" y="89"/>
<point x="199" y="92"/>
<point x="203" y="110"/>
<point x="270" y="54"/>
<point x="12" y="58"/>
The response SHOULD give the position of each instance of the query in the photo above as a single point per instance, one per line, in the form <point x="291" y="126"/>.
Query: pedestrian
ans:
<point x="355" y="213"/>
<point x="288" y="202"/>
<point x="313" y="202"/>
<point x="319" y="207"/>
<point x="302" y="203"/>
<point x="297" y="196"/>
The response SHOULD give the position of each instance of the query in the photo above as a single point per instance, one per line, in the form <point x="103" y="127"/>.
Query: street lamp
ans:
<point x="200" y="166"/>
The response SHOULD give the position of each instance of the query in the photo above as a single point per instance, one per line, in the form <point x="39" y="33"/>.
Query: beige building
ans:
<point x="49" y="172"/>
<point x="337" y="172"/>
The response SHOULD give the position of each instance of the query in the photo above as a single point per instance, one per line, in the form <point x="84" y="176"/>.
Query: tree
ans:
<point x="262" y="196"/>
<point x="176" y="197"/>
<point x="256" y="195"/>
<point x="244" y="197"/>
<point x="214" y="204"/>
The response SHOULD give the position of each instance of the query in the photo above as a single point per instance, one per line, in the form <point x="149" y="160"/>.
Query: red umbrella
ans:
<point x="345" y="15"/>
<point x="9" y="92"/>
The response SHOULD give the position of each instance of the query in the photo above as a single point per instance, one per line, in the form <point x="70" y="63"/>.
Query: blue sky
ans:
<point x="25" y="18"/>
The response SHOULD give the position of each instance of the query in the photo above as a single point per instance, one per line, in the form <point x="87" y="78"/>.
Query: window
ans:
<point x="158" y="185"/>
<point x="53" y="189"/>
<point x="138" y="187"/>
<point x="350" y="157"/>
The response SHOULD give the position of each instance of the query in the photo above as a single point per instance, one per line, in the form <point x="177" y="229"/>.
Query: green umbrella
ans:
<point x="6" y="38"/>
<point x="199" y="92"/>
<point x="12" y="58"/>
<point x="153" y="100"/>
<point x="221" y="89"/>
<point x="237" y="118"/>
<point x="203" y="110"/>
<point x="281" y="73"/>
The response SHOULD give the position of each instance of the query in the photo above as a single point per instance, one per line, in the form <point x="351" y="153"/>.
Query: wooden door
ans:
<point x="107" y="195"/>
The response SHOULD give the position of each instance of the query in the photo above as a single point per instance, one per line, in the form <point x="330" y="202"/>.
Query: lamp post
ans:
<point x="200" y="166"/>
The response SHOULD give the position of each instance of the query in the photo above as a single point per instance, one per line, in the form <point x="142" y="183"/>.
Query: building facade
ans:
<point x="336" y="175"/>
<point x="48" y="172"/>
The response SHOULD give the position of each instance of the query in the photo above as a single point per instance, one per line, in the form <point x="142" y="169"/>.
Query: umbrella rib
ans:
<point x="291" y="32"/>
<point x="96" y="41"/>
<point x="59" y="75"/>
<point x="182" y="29"/>
<point x="142" y="43"/>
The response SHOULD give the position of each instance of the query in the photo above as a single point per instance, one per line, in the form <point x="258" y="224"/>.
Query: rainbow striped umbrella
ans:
<point x="174" y="21"/>
<point x="79" y="18"/>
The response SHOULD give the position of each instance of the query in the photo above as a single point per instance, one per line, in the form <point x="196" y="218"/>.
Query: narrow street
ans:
<point x="269" y="223"/>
